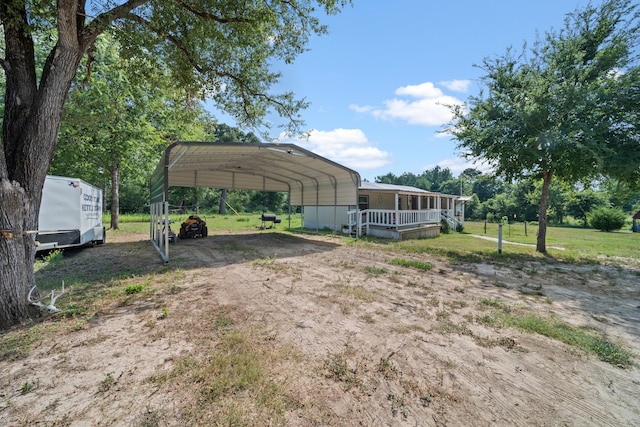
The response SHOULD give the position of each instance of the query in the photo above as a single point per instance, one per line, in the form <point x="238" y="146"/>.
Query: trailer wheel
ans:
<point x="205" y="231"/>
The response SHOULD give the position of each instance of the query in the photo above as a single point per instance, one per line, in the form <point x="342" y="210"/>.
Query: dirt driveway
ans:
<point x="361" y="340"/>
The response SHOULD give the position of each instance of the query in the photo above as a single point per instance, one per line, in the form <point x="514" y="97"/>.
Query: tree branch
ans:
<point x="170" y="38"/>
<point x="210" y="16"/>
<point x="244" y="89"/>
<point x="67" y="18"/>
<point x="102" y="21"/>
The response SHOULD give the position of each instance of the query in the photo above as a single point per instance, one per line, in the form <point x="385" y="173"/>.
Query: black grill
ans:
<point x="272" y="218"/>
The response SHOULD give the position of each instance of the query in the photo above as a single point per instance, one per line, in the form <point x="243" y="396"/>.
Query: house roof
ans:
<point x="405" y="189"/>
<point x="308" y="178"/>
<point x="378" y="186"/>
<point x="637" y="215"/>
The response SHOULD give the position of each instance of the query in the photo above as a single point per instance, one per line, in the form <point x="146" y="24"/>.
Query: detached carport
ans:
<point x="309" y="179"/>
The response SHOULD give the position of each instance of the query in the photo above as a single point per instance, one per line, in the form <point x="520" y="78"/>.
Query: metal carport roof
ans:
<point x="310" y="180"/>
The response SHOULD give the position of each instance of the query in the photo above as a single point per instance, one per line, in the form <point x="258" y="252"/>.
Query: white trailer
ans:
<point x="70" y="214"/>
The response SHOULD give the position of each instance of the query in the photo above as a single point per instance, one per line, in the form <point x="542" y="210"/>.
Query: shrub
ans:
<point x="445" y="227"/>
<point x="134" y="289"/>
<point x="607" y="219"/>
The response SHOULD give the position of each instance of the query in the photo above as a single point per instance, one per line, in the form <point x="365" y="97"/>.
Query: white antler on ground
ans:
<point x="51" y="308"/>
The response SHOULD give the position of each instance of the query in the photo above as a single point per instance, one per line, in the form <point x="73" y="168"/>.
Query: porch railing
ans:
<point x="359" y="220"/>
<point x="452" y="220"/>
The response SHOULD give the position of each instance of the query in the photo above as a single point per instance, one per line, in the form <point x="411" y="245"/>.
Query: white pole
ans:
<point x="499" y="238"/>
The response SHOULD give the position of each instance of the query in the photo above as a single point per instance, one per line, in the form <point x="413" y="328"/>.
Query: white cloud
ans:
<point x="349" y="147"/>
<point x="457" y="85"/>
<point x="423" y="90"/>
<point x="361" y="108"/>
<point x="427" y="105"/>
<point x="424" y="111"/>
<point x="457" y="165"/>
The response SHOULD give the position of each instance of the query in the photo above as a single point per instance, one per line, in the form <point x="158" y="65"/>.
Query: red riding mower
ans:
<point x="193" y="227"/>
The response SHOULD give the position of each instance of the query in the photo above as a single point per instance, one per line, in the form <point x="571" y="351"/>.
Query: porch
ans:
<point x="399" y="224"/>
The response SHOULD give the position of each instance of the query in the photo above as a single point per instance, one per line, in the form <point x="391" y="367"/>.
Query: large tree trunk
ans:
<point x="29" y="136"/>
<point x="541" y="245"/>
<point x="17" y="251"/>
<point x="223" y="202"/>
<point x="115" y="196"/>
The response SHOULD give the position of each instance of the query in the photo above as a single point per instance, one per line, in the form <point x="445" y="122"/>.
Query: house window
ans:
<point x="363" y="202"/>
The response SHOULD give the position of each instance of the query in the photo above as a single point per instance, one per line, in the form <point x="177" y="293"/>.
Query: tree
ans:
<point x="486" y="187"/>
<point x="567" y="108"/>
<point x="429" y="180"/>
<point x="557" y="200"/>
<point x="580" y="203"/>
<point x="115" y="124"/>
<point x="468" y="177"/>
<point x="389" y="178"/>
<point x="620" y="193"/>
<point x="432" y="178"/>
<point x="222" y="50"/>
<point x="502" y="205"/>
<point x="526" y="199"/>
<point x="452" y="186"/>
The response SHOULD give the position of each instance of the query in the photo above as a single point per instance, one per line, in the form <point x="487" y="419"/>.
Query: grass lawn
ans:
<point x="584" y="245"/>
<point x="580" y="244"/>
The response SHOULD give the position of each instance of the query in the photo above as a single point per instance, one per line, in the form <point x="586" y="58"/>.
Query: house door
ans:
<point x="414" y="203"/>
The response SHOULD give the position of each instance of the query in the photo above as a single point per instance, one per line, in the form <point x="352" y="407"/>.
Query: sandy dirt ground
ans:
<point x="419" y="347"/>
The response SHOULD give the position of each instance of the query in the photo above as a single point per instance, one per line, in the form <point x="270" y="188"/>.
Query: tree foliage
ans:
<point x="607" y="219"/>
<point x="566" y="108"/>
<point x="580" y="203"/>
<point x="114" y="125"/>
<point x="430" y="179"/>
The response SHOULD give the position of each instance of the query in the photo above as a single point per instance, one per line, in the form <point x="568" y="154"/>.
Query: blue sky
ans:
<point x="376" y="82"/>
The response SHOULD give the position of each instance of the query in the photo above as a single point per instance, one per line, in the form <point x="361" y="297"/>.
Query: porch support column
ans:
<point x="462" y="212"/>
<point x="396" y="214"/>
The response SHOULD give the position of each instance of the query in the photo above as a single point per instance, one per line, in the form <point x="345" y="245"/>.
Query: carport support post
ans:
<point x="165" y="230"/>
<point x="499" y="238"/>
<point x="160" y="236"/>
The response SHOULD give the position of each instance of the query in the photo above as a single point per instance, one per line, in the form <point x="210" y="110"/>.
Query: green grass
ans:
<point x="134" y="289"/>
<point x="584" y="338"/>
<point x="418" y="265"/>
<point x="584" y="246"/>
<point x="229" y="222"/>
<point x="358" y="292"/>
<point x="375" y="271"/>
<point x="578" y="243"/>
<point x="125" y="218"/>
<point x="18" y="345"/>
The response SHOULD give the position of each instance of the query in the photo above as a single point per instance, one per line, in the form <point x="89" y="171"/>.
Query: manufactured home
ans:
<point x="390" y="211"/>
